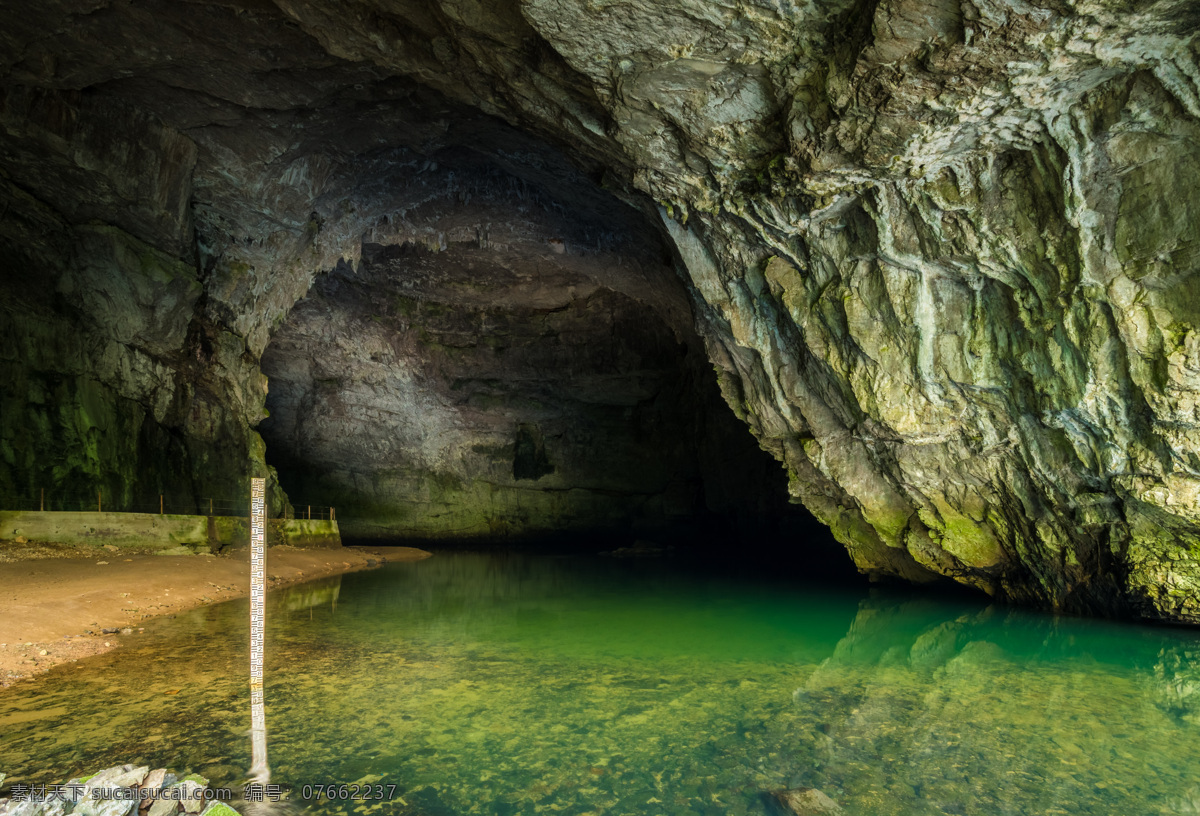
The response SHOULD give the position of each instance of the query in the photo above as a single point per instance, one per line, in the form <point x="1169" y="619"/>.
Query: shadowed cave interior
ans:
<point x="490" y="274"/>
<point x="940" y="257"/>
<point x="511" y="365"/>
<point x="464" y="338"/>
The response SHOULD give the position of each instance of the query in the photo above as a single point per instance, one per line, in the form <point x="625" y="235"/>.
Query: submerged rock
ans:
<point x="804" y="802"/>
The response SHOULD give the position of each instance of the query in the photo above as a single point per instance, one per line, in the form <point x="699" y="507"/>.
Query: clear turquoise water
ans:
<point x="515" y="684"/>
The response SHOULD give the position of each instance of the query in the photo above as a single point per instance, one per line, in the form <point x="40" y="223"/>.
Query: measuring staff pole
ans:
<point x="260" y="771"/>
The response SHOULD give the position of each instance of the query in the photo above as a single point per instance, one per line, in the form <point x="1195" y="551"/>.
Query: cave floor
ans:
<point x="57" y="601"/>
<point x="513" y="683"/>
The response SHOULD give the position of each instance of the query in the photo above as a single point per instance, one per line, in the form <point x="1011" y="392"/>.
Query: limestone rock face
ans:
<point x="508" y="368"/>
<point x="113" y="385"/>
<point x="941" y="251"/>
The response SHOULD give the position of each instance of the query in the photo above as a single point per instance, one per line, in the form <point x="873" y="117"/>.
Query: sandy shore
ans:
<point x="56" y="610"/>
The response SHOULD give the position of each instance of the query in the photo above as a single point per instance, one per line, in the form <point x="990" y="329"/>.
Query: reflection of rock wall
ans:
<point x="321" y="592"/>
<point x="1177" y="679"/>
<point x="987" y="711"/>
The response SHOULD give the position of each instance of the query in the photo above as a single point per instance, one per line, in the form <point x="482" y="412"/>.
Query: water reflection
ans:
<point x="502" y="684"/>
<point x="306" y="596"/>
<point x="944" y="709"/>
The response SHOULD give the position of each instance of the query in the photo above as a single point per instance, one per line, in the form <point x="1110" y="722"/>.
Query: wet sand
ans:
<point x="55" y="609"/>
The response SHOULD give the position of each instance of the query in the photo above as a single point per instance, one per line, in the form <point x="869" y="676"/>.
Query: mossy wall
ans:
<point x="112" y="380"/>
<point x="152" y="533"/>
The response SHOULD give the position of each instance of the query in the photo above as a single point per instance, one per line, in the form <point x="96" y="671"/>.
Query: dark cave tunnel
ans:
<point x="507" y="364"/>
<point x="465" y="335"/>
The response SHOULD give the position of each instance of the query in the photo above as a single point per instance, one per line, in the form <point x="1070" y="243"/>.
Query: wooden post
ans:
<point x="43" y="500"/>
<point x="310" y="512"/>
<point x="99" y="502"/>
<point x="160" y="504"/>
<point x="332" y="515"/>
<point x="210" y="507"/>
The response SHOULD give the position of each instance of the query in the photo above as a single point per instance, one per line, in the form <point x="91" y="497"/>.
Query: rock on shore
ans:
<point x="119" y="791"/>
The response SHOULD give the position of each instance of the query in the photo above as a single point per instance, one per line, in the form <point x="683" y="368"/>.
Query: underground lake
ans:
<point x="864" y="336"/>
<point x="515" y="683"/>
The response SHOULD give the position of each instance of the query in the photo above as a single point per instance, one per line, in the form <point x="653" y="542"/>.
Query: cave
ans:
<point x="457" y="335"/>
<point x="751" y="407"/>
<point x="501" y="364"/>
<point x="961" y="326"/>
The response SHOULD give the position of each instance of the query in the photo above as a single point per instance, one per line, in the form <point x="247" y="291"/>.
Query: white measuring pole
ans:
<point x="260" y="772"/>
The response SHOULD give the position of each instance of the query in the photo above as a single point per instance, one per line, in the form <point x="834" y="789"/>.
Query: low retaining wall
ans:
<point x="147" y="532"/>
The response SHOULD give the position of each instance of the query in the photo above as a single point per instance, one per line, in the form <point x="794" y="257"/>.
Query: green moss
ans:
<point x="405" y="306"/>
<point x="220" y="809"/>
<point x="970" y="543"/>
<point x="487" y="402"/>
<point x="444" y="486"/>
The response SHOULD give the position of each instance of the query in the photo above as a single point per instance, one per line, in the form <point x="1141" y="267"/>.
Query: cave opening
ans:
<point x="445" y="323"/>
<point x="508" y="360"/>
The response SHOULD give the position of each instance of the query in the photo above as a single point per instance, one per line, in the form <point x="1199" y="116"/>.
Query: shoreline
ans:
<point x="56" y="610"/>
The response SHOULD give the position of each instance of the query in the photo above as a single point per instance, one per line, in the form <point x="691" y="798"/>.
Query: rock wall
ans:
<point x="112" y="381"/>
<point x="958" y="306"/>
<point x="940" y="250"/>
<point x="603" y="415"/>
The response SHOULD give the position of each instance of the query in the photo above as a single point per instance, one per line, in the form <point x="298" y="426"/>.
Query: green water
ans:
<point x="509" y="684"/>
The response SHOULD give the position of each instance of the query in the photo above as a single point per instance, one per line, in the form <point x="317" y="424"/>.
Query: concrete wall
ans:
<point x="147" y="532"/>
